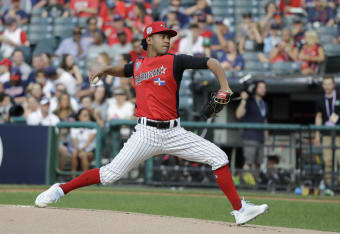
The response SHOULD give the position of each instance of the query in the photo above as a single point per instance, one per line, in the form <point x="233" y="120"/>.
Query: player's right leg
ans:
<point x="192" y="147"/>
<point x="142" y="145"/>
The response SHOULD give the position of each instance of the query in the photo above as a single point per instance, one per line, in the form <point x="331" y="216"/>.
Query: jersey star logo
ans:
<point x="163" y="69"/>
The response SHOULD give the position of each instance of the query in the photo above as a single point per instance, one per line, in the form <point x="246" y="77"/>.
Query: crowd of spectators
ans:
<point x="53" y="86"/>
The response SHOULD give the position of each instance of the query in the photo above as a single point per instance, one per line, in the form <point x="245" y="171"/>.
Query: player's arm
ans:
<point x="118" y="71"/>
<point x="183" y="62"/>
<point x="218" y="71"/>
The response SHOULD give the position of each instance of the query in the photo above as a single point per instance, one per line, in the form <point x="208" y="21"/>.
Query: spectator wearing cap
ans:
<point x="15" y="12"/>
<point x="137" y="50"/>
<point x="12" y="37"/>
<point x="202" y="26"/>
<point x="140" y="19"/>
<point x="42" y="116"/>
<point x="63" y="77"/>
<point x="108" y="9"/>
<point x="54" y="9"/>
<point x="122" y="47"/>
<point x="76" y="45"/>
<point x="222" y="34"/>
<point x="84" y="8"/>
<point x="298" y="32"/>
<point x="321" y="14"/>
<point x="14" y="87"/>
<point x="285" y="6"/>
<point x="231" y="60"/>
<point x="18" y="61"/>
<point x="5" y="66"/>
<point x="192" y="44"/>
<point x="175" y="6"/>
<point x="98" y="46"/>
<point x="203" y="6"/>
<point x="268" y="19"/>
<point x="117" y="26"/>
<point x="311" y="53"/>
<point x="106" y="18"/>
<point x="270" y="42"/>
<point x="249" y="34"/>
<point x="171" y="18"/>
<point x="119" y="106"/>
<point x="285" y="50"/>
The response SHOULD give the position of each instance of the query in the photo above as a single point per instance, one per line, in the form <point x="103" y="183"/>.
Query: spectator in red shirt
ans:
<point x="12" y="37"/>
<point x="107" y="12"/>
<point x="140" y="19"/>
<point x="84" y="8"/>
<point x="131" y="12"/>
<point x="311" y="54"/>
<point x="137" y="50"/>
<point x="202" y="26"/>
<point x="111" y="31"/>
<point x="286" y="5"/>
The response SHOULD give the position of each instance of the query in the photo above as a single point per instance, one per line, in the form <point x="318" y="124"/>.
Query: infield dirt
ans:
<point x="32" y="220"/>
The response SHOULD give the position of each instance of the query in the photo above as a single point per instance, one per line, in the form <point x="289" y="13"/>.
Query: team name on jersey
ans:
<point x="150" y="74"/>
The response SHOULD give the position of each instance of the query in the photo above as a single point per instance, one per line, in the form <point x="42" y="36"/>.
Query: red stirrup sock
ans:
<point x="226" y="184"/>
<point x="87" y="178"/>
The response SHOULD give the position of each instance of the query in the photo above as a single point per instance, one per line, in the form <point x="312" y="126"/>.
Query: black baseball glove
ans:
<point x="216" y="102"/>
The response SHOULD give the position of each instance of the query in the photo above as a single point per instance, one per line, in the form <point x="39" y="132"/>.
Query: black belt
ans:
<point x="160" y="125"/>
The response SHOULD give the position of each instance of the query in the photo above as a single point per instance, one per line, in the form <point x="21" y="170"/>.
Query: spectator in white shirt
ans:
<point x="42" y="116"/>
<point x="192" y="44"/>
<point x="63" y="77"/>
<point x="59" y="90"/>
<point x="12" y="37"/>
<point x="83" y="142"/>
<point x="47" y="85"/>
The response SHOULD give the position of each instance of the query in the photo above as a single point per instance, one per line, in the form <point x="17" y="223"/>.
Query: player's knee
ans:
<point x="109" y="175"/>
<point x="219" y="160"/>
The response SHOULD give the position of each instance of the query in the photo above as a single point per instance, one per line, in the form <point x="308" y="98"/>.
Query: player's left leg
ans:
<point x="192" y="147"/>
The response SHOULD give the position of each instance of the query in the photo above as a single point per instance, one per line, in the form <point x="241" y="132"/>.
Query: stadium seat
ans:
<point x="285" y="68"/>
<point x="256" y="66"/>
<point x="41" y="21"/>
<point x="38" y="28"/>
<point x="82" y="22"/>
<point x="66" y="21"/>
<point x="331" y="49"/>
<point x="35" y="37"/>
<point x="185" y="89"/>
<point x="222" y="12"/>
<point x="63" y="31"/>
<point x="36" y="12"/>
<point x="186" y="102"/>
<point x="250" y="56"/>
<point x="326" y="39"/>
<point x="45" y="46"/>
<point x="328" y="31"/>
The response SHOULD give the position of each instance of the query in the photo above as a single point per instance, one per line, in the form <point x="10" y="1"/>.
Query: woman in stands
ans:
<point x="285" y="50"/>
<point x="232" y="60"/>
<point x="311" y="54"/>
<point x="83" y="142"/>
<point x="67" y="63"/>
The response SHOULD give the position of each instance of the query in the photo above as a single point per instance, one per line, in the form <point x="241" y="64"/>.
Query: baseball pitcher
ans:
<point x="157" y="79"/>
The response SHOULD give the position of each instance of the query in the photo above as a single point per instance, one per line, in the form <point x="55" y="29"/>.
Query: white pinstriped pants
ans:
<point x="148" y="141"/>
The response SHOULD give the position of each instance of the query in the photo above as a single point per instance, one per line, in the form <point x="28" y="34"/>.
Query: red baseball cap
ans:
<point x="6" y="62"/>
<point x="156" y="27"/>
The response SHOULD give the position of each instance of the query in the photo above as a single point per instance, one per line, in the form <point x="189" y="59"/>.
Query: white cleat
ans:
<point x="248" y="212"/>
<point x="52" y="195"/>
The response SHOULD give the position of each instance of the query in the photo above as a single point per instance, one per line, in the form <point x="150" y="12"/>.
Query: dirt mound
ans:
<point x="31" y="220"/>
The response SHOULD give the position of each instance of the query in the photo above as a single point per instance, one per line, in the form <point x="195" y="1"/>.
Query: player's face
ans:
<point x="161" y="42"/>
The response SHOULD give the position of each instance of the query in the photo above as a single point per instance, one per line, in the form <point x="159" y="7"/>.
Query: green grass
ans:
<point x="317" y="215"/>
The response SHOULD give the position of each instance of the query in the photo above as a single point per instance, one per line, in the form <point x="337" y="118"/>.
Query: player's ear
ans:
<point x="148" y="40"/>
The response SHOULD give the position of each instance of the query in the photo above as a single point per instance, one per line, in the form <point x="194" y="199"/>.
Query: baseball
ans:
<point x="95" y="80"/>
